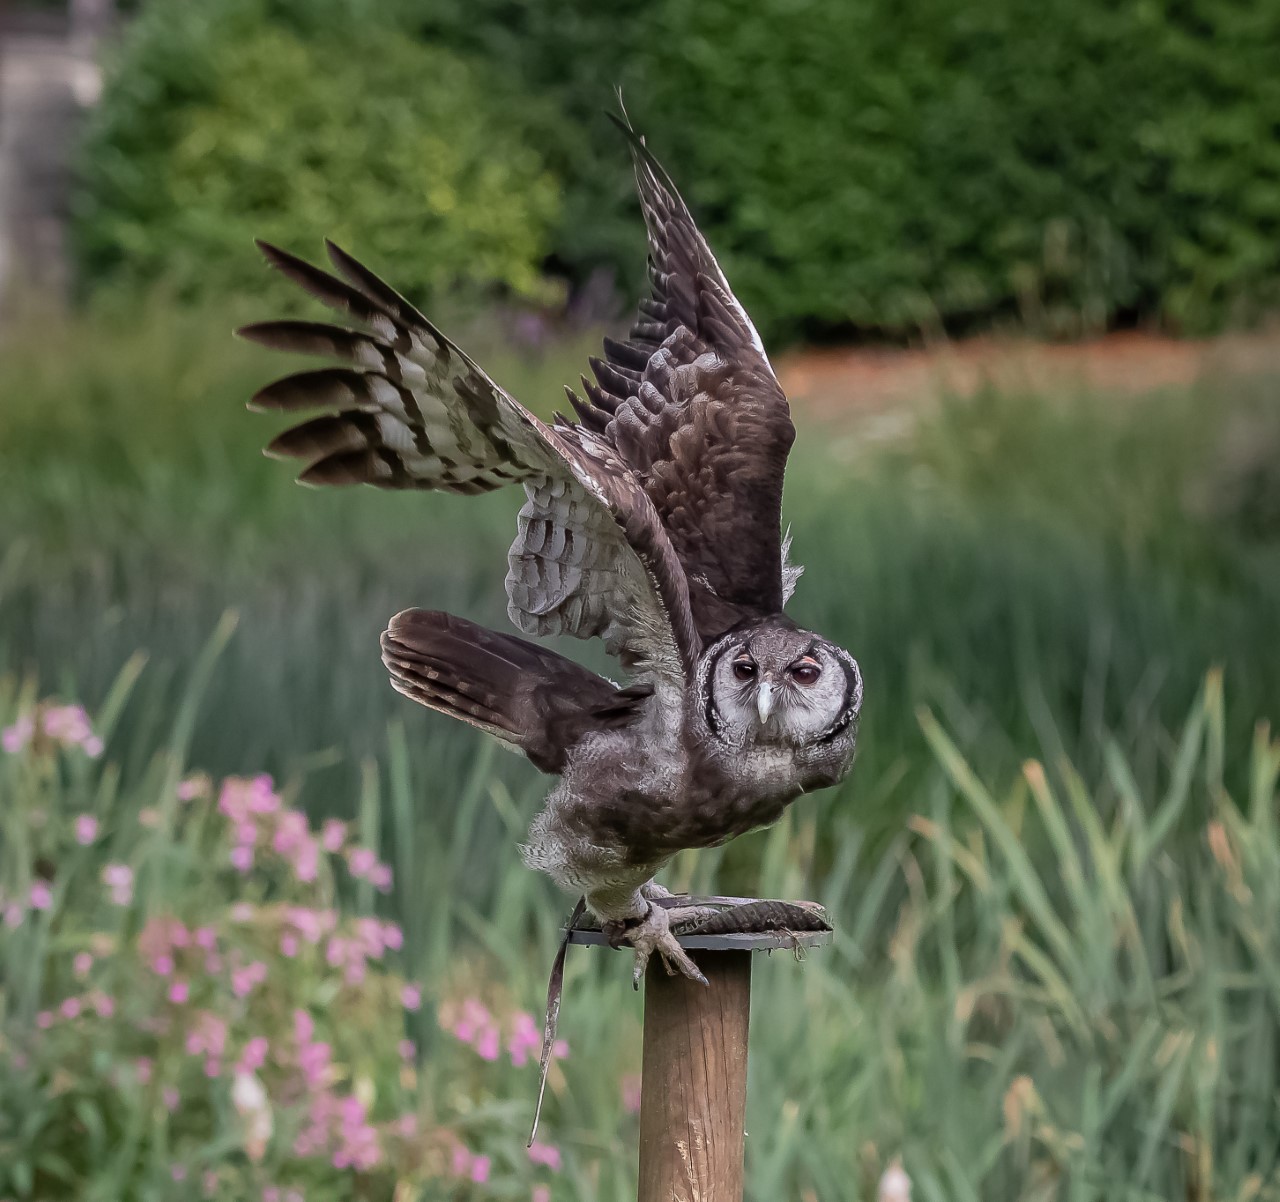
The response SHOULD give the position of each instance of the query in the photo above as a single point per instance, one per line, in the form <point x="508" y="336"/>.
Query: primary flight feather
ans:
<point x="653" y="522"/>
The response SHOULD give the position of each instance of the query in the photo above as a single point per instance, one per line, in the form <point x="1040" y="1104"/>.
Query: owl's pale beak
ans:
<point x="765" y="701"/>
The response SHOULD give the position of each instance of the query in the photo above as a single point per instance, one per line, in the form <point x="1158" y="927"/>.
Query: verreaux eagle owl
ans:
<point x="652" y="522"/>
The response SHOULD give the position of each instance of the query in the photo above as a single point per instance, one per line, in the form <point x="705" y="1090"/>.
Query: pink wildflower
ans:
<point x="14" y="738"/>
<point x="480" y="1170"/>
<point x="291" y="832"/>
<point x="411" y="997"/>
<point x="86" y="829"/>
<point x="545" y="1154"/>
<point x="333" y="834"/>
<point x="487" y="1045"/>
<point x="380" y="877"/>
<point x="460" y="1161"/>
<point x="170" y="1097"/>
<point x="142" y="1069"/>
<point x="208" y="1035"/>
<point x="244" y="979"/>
<point x="253" y="1056"/>
<point x="179" y="992"/>
<point x="541" y="1193"/>
<point x="473" y="1020"/>
<point x="13" y="916"/>
<point x="306" y="861"/>
<point x="392" y="936"/>
<point x="525" y="1038"/>
<point x="560" y="1049"/>
<point x="361" y="861"/>
<point x="118" y="878"/>
<point x="241" y="796"/>
<point x="246" y="834"/>
<point x="70" y="1008"/>
<point x="44" y="1020"/>
<point x="289" y="945"/>
<point x="242" y="912"/>
<point x="407" y="1049"/>
<point x="242" y="858"/>
<point x="104" y="1004"/>
<point x="304" y="1026"/>
<point x="162" y="966"/>
<point x="41" y="895"/>
<point x="313" y="1059"/>
<point x="205" y="937"/>
<point x="69" y="725"/>
<point x="263" y="798"/>
<point x="192" y="787"/>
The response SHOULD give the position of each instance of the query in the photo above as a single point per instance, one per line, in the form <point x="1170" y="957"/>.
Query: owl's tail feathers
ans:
<point x="530" y="698"/>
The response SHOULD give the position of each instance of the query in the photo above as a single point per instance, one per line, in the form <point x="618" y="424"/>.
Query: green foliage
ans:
<point x="1093" y="556"/>
<point x="881" y="166"/>
<point x="236" y="120"/>
<point x="857" y="166"/>
<point x="1056" y="981"/>
<point x="197" y="999"/>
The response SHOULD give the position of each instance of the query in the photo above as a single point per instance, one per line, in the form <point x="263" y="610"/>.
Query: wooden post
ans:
<point x="693" y="1100"/>
<point x="693" y="1094"/>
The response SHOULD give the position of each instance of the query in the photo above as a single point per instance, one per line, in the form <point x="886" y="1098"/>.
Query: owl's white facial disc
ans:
<point x="780" y="686"/>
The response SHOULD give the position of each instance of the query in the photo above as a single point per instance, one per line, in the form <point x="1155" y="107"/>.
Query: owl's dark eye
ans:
<point x="806" y="672"/>
<point x="744" y="669"/>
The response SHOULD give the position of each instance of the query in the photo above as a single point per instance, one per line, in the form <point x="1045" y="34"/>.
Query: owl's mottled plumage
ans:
<point x="653" y="523"/>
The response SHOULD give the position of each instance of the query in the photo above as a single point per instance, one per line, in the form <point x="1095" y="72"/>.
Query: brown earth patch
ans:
<point x="872" y="380"/>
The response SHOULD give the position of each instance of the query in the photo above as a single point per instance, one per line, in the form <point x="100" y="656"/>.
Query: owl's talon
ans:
<point x="652" y="933"/>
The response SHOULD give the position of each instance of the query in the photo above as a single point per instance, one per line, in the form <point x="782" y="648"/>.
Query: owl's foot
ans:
<point x="652" y="933"/>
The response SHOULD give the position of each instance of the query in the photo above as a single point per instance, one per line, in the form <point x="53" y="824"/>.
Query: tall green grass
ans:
<point x="1055" y="983"/>
<point x="1012" y="560"/>
<point x="1054" y="891"/>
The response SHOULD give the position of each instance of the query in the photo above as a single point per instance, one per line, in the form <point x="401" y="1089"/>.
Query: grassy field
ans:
<point x="1055" y="972"/>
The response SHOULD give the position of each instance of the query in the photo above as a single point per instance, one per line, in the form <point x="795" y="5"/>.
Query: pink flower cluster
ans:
<point x="338" y="1125"/>
<point x="71" y="1008"/>
<point x="208" y="1038"/>
<point x="310" y="926"/>
<point x="86" y="828"/>
<point x="369" y="942"/>
<point x="118" y="879"/>
<point x="466" y="1163"/>
<point x="260" y="821"/>
<point x="365" y="866"/>
<point x="544" y="1154"/>
<point x="66" y="725"/>
<point x="473" y="1024"/>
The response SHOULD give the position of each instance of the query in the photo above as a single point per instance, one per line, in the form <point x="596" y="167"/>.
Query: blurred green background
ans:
<point x="1054" y="869"/>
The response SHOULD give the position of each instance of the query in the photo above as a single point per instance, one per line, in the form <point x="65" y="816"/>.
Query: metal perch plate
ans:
<point x="742" y="924"/>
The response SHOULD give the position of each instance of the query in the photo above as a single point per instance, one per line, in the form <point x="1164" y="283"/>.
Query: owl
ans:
<point x="651" y="520"/>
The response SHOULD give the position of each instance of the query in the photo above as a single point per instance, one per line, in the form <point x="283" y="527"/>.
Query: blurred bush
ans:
<point x="197" y="1000"/>
<point x="880" y="166"/>
<point x="862" y="166"/>
<point x="239" y="119"/>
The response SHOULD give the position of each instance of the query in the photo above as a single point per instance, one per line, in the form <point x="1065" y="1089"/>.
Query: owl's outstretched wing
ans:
<point x="411" y="410"/>
<point x="691" y="405"/>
